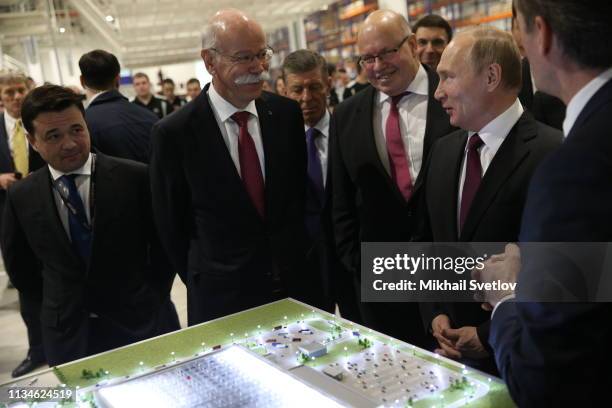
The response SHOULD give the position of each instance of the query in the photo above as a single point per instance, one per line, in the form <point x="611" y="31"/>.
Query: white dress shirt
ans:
<point x="322" y="142"/>
<point x="579" y="101"/>
<point x="493" y="135"/>
<point x="83" y="183"/>
<point x="413" y="119"/>
<point x="230" y="130"/>
<point x="9" y="125"/>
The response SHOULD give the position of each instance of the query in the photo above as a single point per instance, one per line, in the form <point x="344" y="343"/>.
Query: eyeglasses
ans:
<point x="435" y="43"/>
<point x="244" y="58"/>
<point x="386" y="55"/>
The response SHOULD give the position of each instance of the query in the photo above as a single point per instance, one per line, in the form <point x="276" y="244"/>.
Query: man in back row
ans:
<point x="146" y="99"/>
<point x="117" y="127"/>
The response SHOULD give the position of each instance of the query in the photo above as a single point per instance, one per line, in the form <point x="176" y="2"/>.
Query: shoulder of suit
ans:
<point x="30" y="183"/>
<point x="118" y="161"/>
<point x="280" y="102"/>
<point x="359" y="99"/>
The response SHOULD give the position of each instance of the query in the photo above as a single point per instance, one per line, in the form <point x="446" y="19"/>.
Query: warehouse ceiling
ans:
<point x="140" y="32"/>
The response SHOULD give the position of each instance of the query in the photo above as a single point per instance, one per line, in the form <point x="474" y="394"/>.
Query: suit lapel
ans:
<point x="447" y="182"/>
<point x="52" y="224"/>
<point x="269" y="134"/>
<point x="436" y="124"/>
<point x="367" y="141"/>
<point x="105" y="185"/>
<point x="509" y="156"/>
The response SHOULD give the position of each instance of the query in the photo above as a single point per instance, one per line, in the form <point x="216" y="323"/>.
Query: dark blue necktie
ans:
<point x="80" y="232"/>
<point x="315" y="171"/>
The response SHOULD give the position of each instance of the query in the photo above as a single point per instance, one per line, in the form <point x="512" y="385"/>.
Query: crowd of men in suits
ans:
<point x="255" y="197"/>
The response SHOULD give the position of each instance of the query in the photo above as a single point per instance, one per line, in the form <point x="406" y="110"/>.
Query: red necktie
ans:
<point x="250" y="167"/>
<point x="400" y="166"/>
<point x="473" y="175"/>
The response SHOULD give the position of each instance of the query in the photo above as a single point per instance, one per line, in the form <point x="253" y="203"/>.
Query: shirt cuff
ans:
<point x="502" y="300"/>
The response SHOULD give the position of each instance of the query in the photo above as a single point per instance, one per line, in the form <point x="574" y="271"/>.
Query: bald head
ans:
<point x="235" y="54"/>
<point x="228" y="24"/>
<point x="386" y="21"/>
<point x="388" y="52"/>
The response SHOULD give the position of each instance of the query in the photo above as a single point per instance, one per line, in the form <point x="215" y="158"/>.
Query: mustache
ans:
<point x="252" y="78"/>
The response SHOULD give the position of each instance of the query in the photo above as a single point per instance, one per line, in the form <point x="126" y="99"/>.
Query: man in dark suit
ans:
<point x="478" y="176"/>
<point x="117" y="127"/>
<point x="87" y="219"/>
<point x="553" y="354"/>
<point x="545" y="108"/>
<point x="17" y="160"/>
<point x="228" y="176"/>
<point x="307" y="82"/>
<point x="381" y="138"/>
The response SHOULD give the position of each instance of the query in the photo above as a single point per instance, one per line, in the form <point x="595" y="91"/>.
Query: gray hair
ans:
<point x="209" y="35"/>
<point x="494" y="46"/>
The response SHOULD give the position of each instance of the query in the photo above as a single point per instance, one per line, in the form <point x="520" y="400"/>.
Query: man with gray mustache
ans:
<point x="228" y="176"/>
<point x="381" y="138"/>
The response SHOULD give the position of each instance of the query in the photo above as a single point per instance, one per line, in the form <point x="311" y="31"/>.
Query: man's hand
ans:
<point x="502" y="267"/>
<point x="466" y="341"/>
<point x="6" y="179"/>
<point x="439" y="325"/>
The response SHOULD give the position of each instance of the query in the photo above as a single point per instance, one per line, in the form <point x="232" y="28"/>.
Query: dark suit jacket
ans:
<point x="228" y="256"/>
<point x="321" y="255"/>
<point x="495" y="215"/>
<point x="542" y="348"/>
<point x="368" y="206"/>
<point x="127" y="289"/>
<point x="120" y="128"/>
<point x="545" y="108"/>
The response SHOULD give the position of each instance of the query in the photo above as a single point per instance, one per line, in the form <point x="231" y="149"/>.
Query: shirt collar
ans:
<point x="85" y="170"/>
<point x="94" y="96"/>
<point x="225" y="109"/>
<point x="322" y="125"/>
<point x="579" y="101"/>
<point x="419" y="85"/>
<point x="10" y="121"/>
<point x="494" y="133"/>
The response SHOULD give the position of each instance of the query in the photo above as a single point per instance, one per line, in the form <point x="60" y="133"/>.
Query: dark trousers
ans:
<point x="30" y="313"/>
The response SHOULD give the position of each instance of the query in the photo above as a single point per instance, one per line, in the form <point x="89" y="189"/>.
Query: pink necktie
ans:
<point x="400" y="166"/>
<point x="473" y="175"/>
<point x="250" y="168"/>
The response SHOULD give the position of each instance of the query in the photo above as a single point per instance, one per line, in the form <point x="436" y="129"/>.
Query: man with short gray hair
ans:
<point x="228" y="173"/>
<point x="497" y="149"/>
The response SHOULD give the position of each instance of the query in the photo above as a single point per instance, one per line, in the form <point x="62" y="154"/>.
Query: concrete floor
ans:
<point x="13" y="337"/>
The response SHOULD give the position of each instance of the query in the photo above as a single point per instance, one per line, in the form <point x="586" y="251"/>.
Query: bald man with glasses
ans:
<point x="228" y="176"/>
<point x="382" y="137"/>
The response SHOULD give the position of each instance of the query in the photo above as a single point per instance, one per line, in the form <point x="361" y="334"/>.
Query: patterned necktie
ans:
<point x="400" y="166"/>
<point x="250" y="168"/>
<point x="20" y="150"/>
<point x="80" y="232"/>
<point x="315" y="170"/>
<point x="473" y="176"/>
